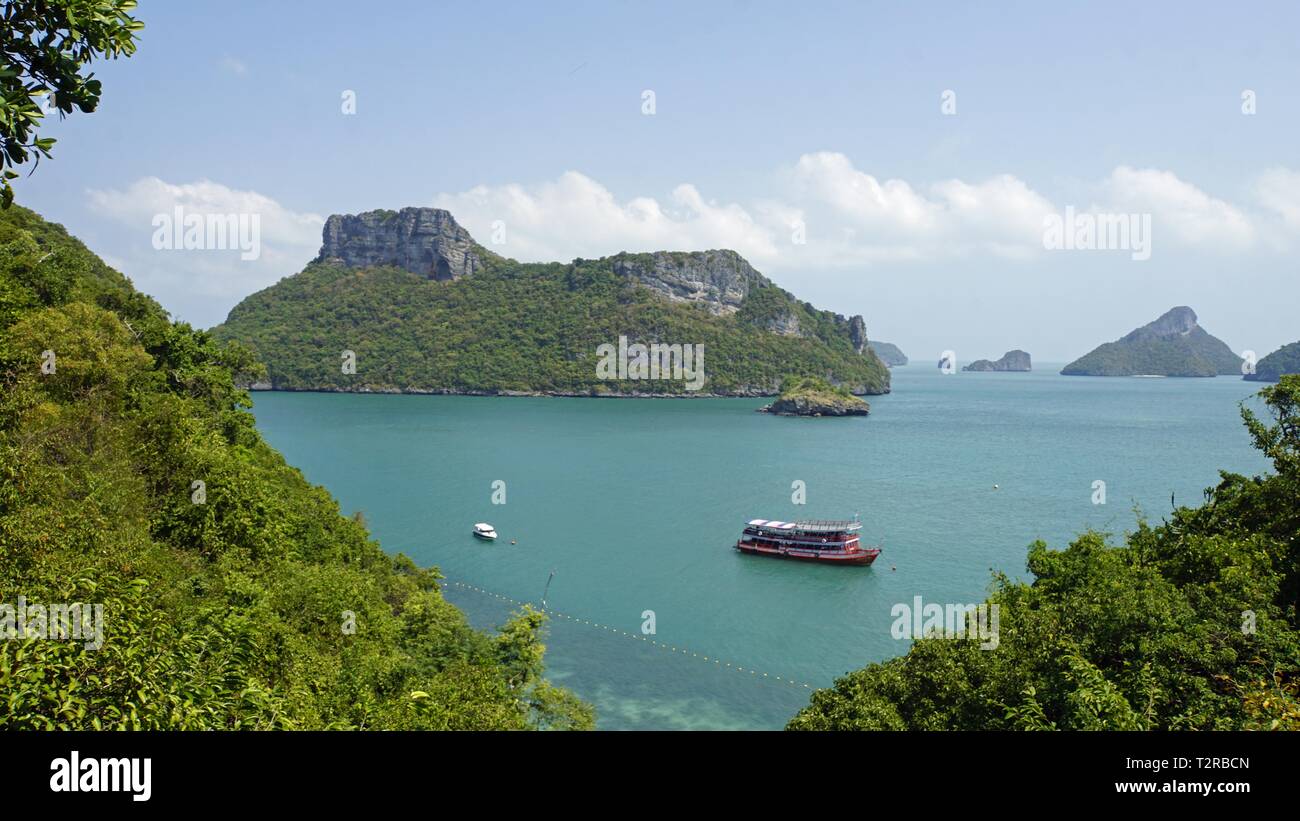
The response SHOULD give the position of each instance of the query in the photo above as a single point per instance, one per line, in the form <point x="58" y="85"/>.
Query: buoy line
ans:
<point x="655" y="642"/>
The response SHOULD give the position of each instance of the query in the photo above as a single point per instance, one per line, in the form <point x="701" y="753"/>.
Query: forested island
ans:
<point x="889" y="353"/>
<point x="1273" y="367"/>
<point x="1171" y="345"/>
<point x="1015" y="361"/>
<point x="811" y="396"/>
<point x="426" y="309"/>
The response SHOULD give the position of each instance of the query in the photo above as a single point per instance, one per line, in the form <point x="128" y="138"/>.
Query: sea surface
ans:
<point x="620" y="511"/>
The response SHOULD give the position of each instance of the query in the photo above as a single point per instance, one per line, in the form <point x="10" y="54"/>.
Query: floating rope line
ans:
<point x="661" y="645"/>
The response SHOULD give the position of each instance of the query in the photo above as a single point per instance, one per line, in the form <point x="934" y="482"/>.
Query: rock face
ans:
<point x="1179" y="321"/>
<point x="1273" y="367"/>
<point x="424" y="241"/>
<point x="718" y="279"/>
<point x="889" y="353"/>
<point x="858" y="334"/>
<point x="1016" y="360"/>
<point x="721" y="280"/>
<point x="1172" y="345"/>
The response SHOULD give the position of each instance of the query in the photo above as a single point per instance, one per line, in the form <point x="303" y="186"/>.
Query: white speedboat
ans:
<point x="483" y="530"/>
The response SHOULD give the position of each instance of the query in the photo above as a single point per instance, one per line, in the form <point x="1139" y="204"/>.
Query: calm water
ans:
<point x="634" y="505"/>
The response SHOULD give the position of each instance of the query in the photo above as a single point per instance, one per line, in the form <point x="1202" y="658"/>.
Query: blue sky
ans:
<point x="766" y="116"/>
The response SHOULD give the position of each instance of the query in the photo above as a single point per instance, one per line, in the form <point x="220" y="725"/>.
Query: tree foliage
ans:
<point x="229" y="613"/>
<point x="45" y="48"/>
<point x="1191" y="624"/>
<point x="525" y="327"/>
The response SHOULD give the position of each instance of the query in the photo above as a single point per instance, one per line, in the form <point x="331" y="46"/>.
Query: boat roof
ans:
<point x="483" y="526"/>
<point x="808" y="526"/>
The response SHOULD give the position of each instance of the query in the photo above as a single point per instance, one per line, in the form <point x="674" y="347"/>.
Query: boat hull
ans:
<point x="860" y="557"/>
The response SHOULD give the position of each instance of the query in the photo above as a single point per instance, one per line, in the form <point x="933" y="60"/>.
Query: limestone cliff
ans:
<point x="424" y="241"/>
<point x="417" y="306"/>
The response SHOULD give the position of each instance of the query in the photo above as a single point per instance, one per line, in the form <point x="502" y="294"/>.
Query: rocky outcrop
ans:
<point x="889" y="353"/>
<point x="424" y="241"/>
<point x="785" y="324"/>
<point x="1172" y="345"/>
<point x="858" y="334"/>
<point x="810" y="406"/>
<point x="1017" y="361"/>
<point x="720" y="280"/>
<point x="1179" y="321"/>
<point x="813" y="396"/>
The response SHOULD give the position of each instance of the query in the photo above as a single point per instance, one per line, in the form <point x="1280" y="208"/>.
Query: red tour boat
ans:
<point x="835" y="542"/>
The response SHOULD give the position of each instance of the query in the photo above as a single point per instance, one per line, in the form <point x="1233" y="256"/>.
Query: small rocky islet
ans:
<point x="1015" y="361"/>
<point x="811" y="396"/>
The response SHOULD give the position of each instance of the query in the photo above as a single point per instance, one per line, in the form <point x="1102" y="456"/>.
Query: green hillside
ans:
<point x="1271" y="368"/>
<point x="530" y="328"/>
<point x="1172" y="345"/>
<point x="251" y="605"/>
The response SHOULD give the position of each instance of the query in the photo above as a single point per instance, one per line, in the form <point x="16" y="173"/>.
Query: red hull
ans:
<point x="862" y="556"/>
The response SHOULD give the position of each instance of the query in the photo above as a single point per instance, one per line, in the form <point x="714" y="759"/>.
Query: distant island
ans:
<point x="889" y="353"/>
<point x="1011" y="361"/>
<point x="813" y="396"/>
<point x="407" y="302"/>
<point x="1273" y="367"/>
<point x="1172" y="345"/>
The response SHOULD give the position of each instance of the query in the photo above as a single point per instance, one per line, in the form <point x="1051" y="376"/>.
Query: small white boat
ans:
<point x="483" y="530"/>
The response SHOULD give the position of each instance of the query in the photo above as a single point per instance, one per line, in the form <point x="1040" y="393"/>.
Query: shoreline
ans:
<point x="535" y="394"/>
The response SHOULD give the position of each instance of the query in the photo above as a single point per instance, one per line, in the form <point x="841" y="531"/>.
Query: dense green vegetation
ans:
<point x="524" y="327"/>
<point x="814" y="388"/>
<point x="252" y="605"/>
<point x="1152" y="633"/>
<point x="1196" y="354"/>
<point x="45" y="49"/>
<point x="814" y="396"/>
<point x="1271" y="368"/>
<point x="793" y="385"/>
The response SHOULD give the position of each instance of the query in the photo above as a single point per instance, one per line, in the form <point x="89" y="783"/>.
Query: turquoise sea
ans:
<point x="633" y="505"/>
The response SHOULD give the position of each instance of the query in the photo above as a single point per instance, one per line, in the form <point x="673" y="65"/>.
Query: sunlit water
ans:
<point x="634" y="504"/>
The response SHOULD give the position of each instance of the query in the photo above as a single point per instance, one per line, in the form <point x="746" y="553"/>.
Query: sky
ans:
<point x="903" y="161"/>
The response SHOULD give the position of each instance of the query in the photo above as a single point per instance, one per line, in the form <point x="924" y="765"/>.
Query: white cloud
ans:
<point x="1193" y="217"/>
<point x="829" y="179"/>
<point x="575" y="216"/>
<point x="851" y="217"/>
<point x="1278" y="190"/>
<point x="201" y="285"/>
